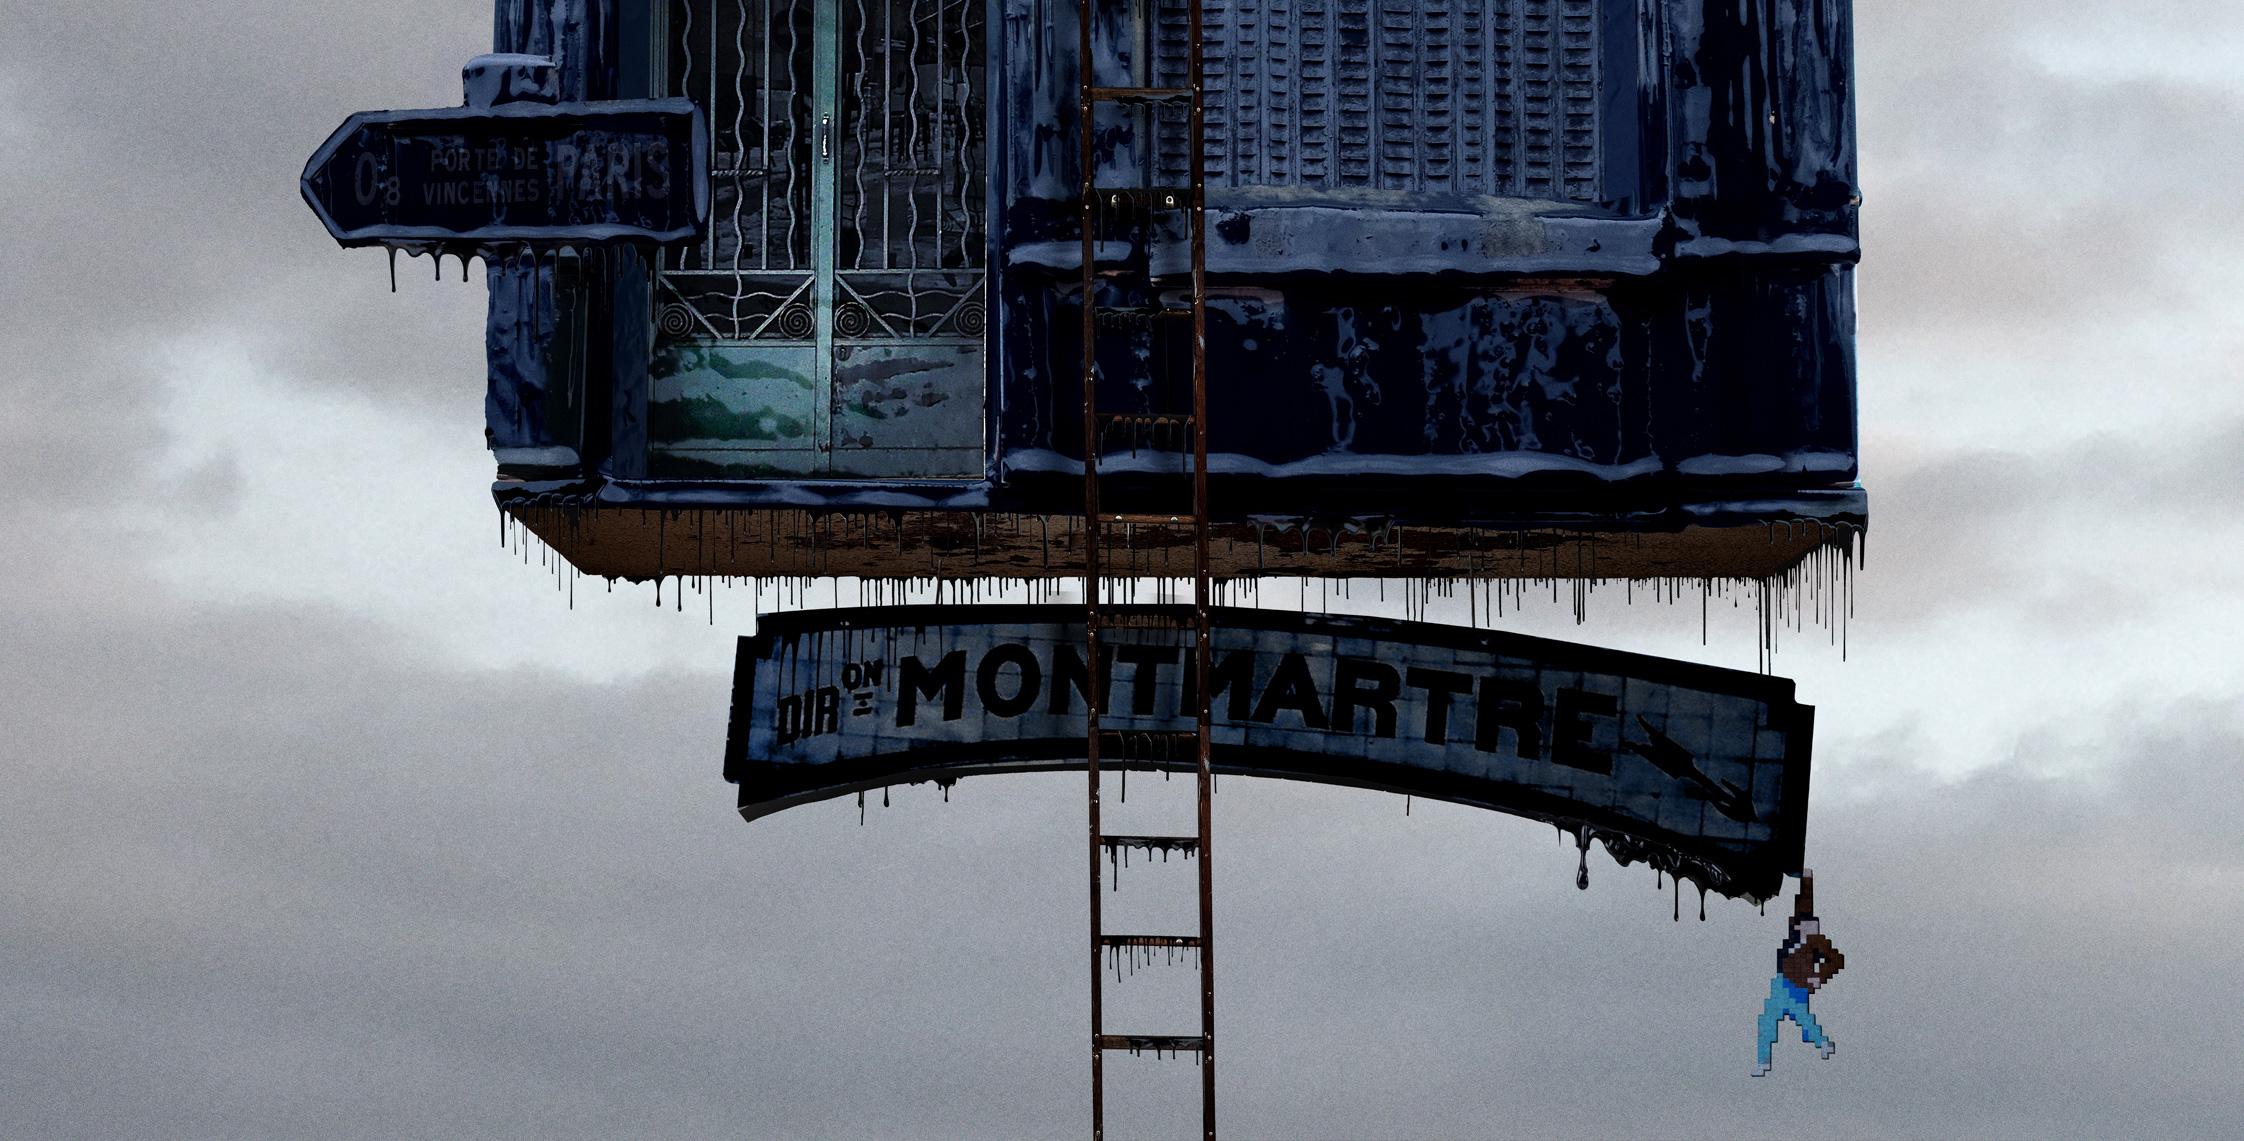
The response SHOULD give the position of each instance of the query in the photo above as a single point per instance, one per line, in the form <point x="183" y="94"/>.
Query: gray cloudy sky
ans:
<point x="324" y="816"/>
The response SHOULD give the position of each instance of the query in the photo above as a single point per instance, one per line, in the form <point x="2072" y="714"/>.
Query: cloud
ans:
<point x="1978" y="529"/>
<point x="2019" y="208"/>
<point x="152" y="194"/>
<point x="269" y="874"/>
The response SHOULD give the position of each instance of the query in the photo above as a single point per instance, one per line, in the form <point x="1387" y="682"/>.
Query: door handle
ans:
<point x="826" y="138"/>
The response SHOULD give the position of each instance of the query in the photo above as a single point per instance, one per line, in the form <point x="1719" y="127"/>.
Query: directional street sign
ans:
<point x="517" y="174"/>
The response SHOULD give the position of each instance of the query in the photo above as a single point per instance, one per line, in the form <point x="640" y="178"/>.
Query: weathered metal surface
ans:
<point x="731" y="411"/>
<point x="1730" y="120"/>
<point x="903" y="409"/>
<point x="1467" y="236"/>
<point x="534" y="423"/>
<point x="1451" y="96"/>
<point x="908" y="410"/>
<point x="1702" y="771"/>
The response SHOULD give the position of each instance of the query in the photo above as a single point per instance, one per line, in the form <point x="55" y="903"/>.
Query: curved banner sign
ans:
<point x="1700" y="770"/>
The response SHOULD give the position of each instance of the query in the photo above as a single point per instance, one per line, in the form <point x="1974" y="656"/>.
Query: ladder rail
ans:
<point x="1086" y="111"/>
<point x="1201" y="587"/>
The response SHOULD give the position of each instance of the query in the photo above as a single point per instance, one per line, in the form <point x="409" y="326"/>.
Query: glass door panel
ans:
<point x="909" y="307"/>
<point x="831" y="323"/>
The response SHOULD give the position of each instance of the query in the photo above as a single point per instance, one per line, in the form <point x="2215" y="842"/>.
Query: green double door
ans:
<point x="832" y="322"/>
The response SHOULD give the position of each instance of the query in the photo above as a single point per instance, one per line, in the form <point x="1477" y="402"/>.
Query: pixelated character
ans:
<point x="1805" y="962"/>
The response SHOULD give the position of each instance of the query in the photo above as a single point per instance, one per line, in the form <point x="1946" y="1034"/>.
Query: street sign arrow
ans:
<point x="517" y="174"/>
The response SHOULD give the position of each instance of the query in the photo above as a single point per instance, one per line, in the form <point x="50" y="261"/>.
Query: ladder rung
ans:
<point x="1107" y="519"/>
<point x="1148" y="745"/>
<point x="1149" y="620"/>
<point x="1153" y="843"/>
<point x="1158" y="1043"/>
<point x="1144" y="197"/>
<point x="1144" y="420"/>
<point x="1165" y="736"/>
<point x="1142" y="94"/>
<point x="1149" y="529"/>
<point x="1147" y="430"/>
<point x="1138" y="316"/>
<point x="1154" y="941"/>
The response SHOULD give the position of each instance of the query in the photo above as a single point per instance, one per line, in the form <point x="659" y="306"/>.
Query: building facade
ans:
<point x="1476" y="269"/>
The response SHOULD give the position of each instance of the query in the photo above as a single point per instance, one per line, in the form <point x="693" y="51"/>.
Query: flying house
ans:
<point x="1552" y="288"/>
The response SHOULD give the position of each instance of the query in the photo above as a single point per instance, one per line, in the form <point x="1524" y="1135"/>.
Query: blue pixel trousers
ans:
<point x="1786" y="1001"/>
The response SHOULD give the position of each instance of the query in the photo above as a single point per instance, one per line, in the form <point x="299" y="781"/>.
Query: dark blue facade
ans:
<point x="1503" y="262"/>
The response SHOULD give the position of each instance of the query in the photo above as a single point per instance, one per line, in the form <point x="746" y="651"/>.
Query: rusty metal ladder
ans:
<point x="1139" y="209"/>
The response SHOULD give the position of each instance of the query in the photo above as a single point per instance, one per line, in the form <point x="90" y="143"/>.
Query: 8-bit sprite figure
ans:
<point x="1805" y="962"/>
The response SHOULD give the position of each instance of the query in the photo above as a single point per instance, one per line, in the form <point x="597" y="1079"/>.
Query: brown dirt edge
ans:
<point x="639" y="544"/>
